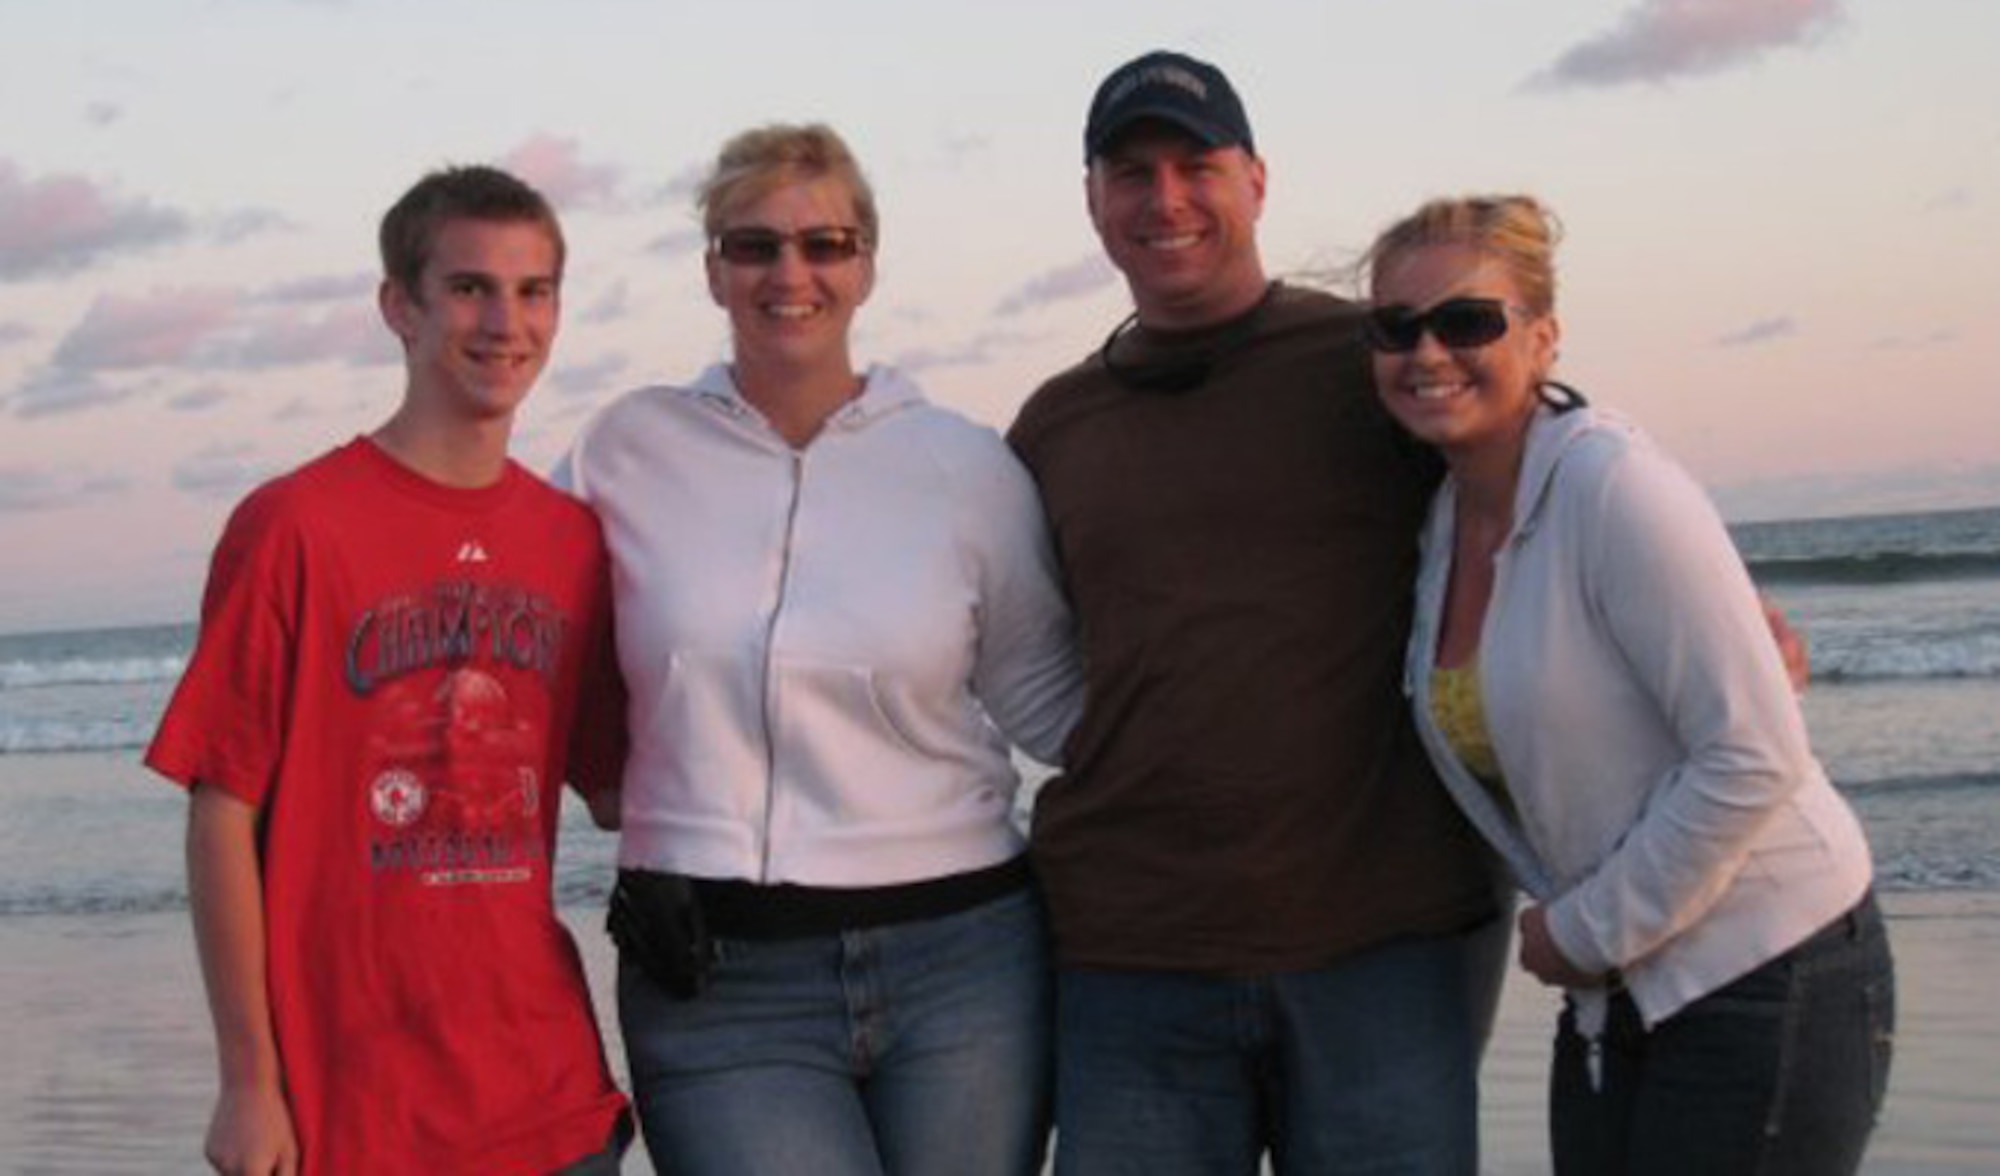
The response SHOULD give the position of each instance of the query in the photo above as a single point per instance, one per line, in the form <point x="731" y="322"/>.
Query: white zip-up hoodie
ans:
<point x="816" y="639"/>
<point x="1672" y="816"/>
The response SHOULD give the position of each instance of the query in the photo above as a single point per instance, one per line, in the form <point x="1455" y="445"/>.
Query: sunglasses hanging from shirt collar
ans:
<point x="1178" y="367"/>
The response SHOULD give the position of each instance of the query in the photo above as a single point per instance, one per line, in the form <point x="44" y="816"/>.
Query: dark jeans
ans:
<point x="1368" y="1065"/>
<point x="1779" y="1072"/>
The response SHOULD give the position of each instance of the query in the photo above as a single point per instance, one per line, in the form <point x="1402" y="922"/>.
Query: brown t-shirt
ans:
<point x="1245" y="792"/>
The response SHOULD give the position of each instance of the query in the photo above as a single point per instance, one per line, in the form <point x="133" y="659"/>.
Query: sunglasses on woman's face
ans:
<point x="1457" y="323"/>
<point x="822" y="245"/>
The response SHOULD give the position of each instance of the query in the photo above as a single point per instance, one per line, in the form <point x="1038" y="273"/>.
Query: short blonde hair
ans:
<point x="763" y="159"/>
<point x="1519" y="232"/>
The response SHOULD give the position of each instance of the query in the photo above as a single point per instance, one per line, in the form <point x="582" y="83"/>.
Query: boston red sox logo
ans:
<point x="398" y="797"/>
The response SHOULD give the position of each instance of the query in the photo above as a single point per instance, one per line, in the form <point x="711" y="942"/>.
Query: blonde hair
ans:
<point x="1520" y="232"/>
<point x="763" y="159"/>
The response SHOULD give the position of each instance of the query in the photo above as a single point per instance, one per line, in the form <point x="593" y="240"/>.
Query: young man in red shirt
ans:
<point x="403" y="655"/>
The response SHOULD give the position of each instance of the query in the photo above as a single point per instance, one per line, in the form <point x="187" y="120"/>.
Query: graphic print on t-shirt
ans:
<point x="457" y="679"/>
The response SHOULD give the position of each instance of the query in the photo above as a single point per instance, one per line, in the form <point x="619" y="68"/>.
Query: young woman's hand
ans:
<point x="1541" y="956"/>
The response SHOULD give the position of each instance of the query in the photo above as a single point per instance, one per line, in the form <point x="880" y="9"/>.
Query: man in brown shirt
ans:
<point x="1267" y="913"/>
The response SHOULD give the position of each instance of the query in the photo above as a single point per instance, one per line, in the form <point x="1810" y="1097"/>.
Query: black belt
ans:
<point x="747" y="910"/>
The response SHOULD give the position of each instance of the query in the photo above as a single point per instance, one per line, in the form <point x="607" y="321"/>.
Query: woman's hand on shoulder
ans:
<point x="1790" y="642"/>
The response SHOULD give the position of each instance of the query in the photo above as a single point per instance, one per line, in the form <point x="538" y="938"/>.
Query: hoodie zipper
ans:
<point x="797" y="471"/>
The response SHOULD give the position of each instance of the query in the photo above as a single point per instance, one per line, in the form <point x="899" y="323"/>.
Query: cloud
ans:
<point x="15" y="332"/>
<point x="212" y="328"/>
<point x="322" y="288"/>
<point x="60" y="224"/>
<point x="192" y="330"/>
<point x="955" y="150"/>
<point x="971" y="353"/>
<point x="612" y="305"/>
<point x="556" y="167"/>
<point x="679" y="243"/>
<point x="1937" y="338"/>
<point x="23" y="490"/>
<point x="588" y="378"/>
<point x="1761" y="331"/>
<point x="974" y="352"/>
<point x="1061" y="284"/>
<point x="298" y="408"/>
<point x="1660" y="40"/>
<point x="230" y="227"/>
<point x="224" y="472"/>
<point x="351" y="333"/>
<point x="163" y="328"/>
<point x="198" y="398"/>
<point x="53" y="392"/>
<point x="1953" y="200"/>
<point x="680" y="187"/>
<point x="102" y="113"/>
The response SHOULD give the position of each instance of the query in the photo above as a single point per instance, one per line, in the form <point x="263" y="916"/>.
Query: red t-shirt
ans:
<point x="390" y="670"/>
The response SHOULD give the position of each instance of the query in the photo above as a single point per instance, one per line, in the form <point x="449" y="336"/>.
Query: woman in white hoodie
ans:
<point x="836" y="606"/>
<point x="1592" y="672"/>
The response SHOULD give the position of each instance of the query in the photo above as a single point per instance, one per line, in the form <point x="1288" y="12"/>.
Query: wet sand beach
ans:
<point x="108" y="1066"/>
<point x="109" y="1069"/>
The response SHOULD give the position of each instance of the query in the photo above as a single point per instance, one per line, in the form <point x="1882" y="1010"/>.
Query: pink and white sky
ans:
<point x="1783" y="217"/>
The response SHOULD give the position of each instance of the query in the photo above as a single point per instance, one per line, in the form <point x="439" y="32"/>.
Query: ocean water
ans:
<point x="1902" y="614"/>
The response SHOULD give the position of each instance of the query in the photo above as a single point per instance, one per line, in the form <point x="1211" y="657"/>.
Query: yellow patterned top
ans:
<point x="1461" y="716"/>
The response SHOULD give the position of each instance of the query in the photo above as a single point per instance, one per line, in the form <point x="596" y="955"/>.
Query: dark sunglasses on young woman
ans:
<point x="1459" y="323"/>
<point x="821" y="245"/>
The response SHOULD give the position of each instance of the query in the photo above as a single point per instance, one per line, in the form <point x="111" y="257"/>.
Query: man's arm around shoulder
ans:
<point x="251" y="1132"/>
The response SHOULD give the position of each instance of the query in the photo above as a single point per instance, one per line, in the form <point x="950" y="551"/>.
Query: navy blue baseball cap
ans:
<point x="1174" y="88"/>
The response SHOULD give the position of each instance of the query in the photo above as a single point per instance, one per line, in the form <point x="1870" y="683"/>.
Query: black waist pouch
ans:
<point x="657" y="924"/>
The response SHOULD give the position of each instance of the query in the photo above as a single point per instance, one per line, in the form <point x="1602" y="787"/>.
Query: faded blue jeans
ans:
<point x="1367" y="1066"/>
<point x="1779" y="1073"/>
<point x="914" y="1048"/>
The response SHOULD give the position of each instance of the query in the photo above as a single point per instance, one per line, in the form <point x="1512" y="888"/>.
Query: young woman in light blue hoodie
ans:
<point x="1592" y="672"/>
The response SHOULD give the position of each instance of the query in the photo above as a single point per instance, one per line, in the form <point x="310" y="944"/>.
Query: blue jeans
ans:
<point x="1370" y="1065"/>
<point x="1779" y="1072"/>
<point x="916" y="1048"/>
